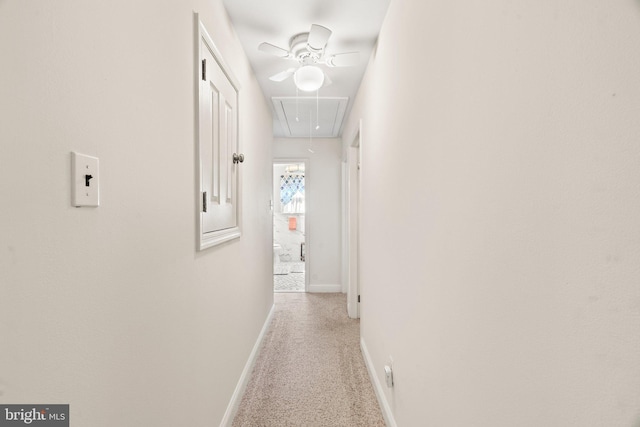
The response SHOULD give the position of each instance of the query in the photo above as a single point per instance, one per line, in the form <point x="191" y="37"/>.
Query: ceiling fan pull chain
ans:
<point x="317" y="105"/>
<point x="310" y="138"/>
<point x="297" y="118"/>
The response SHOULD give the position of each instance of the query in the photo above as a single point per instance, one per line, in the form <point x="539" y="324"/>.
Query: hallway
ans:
<point x="310" y="371"/>
<point x="498" y="201"/>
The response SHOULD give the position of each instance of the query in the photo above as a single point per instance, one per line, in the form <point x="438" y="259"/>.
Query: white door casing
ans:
<point x="353" y="225"/>
<point x="218" y="142"/>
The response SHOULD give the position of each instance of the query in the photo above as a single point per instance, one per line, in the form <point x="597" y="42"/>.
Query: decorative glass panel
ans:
<point x="292" y="193"/>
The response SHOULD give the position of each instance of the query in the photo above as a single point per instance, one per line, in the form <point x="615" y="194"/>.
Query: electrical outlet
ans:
<point x="388" y="375"/>
<point x="388" y="372"/>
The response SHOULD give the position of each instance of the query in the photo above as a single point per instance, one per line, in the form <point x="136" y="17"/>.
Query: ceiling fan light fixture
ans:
<point x="308" y="78"/>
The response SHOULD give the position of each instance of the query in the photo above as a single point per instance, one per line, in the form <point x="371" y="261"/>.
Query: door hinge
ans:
<point x="204" y="69"/>
<point x="358" y="298"/>
<point x="204" y="201"/>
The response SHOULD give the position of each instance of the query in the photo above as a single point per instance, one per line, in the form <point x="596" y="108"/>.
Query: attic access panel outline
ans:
<point x="330" y="115"/>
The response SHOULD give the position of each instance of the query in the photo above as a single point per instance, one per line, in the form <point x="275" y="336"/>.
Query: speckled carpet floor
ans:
<point x="310" y="371"/>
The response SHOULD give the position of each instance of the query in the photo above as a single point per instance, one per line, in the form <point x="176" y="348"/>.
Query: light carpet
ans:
<point x="310" y="371"/>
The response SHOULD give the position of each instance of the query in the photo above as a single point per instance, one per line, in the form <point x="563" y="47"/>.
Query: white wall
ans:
<point x="323" y="198"/>
<point x="111" y="309"/>
<point x="500" y="217"/>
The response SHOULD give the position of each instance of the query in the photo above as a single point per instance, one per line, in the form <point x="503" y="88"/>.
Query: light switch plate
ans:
<point x="85" y="180"/>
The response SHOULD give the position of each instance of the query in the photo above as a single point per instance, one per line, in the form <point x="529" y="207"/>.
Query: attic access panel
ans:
<point x="298" y="116"/>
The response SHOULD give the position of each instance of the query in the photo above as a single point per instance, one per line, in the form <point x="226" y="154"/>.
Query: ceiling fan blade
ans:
<point x="344" y="59"/>
<point x="273" y="50"/>
<point x="282" y="76"/>
<point x="318" y="37"/>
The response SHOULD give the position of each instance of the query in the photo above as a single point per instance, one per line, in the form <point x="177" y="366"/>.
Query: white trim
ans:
<point x="215" y="238"/>
<point x="337" y="288"/>
<point x="352" y="223"/>
<point x="234" y="403"/>
<point x="204" y="35"/>
<point x="387" y="414"/>
<point x="344" y="253"/>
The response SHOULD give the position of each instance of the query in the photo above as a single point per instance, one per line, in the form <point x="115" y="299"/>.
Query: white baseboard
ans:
<point x="325" y="288"/>
<point x="234" y="403"/>
<point x="382" y="398"/>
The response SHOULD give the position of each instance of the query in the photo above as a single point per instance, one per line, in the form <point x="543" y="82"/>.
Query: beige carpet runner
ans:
<point x="310" y="371"/>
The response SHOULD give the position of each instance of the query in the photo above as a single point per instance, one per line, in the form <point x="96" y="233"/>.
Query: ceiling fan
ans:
<point x="309" y="50"/>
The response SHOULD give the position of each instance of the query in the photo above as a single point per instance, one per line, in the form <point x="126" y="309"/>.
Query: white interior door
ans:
<point x="218" y="143"/>
<point x="218" y="122"/>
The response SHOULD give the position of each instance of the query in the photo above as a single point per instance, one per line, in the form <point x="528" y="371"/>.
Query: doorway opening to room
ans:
<point x="290" y="260"/>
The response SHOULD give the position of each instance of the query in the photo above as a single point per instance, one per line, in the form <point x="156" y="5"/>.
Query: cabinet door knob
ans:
<point x="238" y="158"/>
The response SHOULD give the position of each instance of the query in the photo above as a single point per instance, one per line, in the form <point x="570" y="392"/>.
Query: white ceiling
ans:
<point x="355" y="25"/>
<point x="298" y="115"/>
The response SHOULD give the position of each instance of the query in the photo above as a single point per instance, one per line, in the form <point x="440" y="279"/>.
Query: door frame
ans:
<point x="307" y="216"/>
<point x="352" y="225"/>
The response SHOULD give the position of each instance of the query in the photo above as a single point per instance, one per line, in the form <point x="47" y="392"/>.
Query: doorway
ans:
<point x="290" y="258"/>
<point x="352" y="222"/>
<point x="353" y="292"/>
